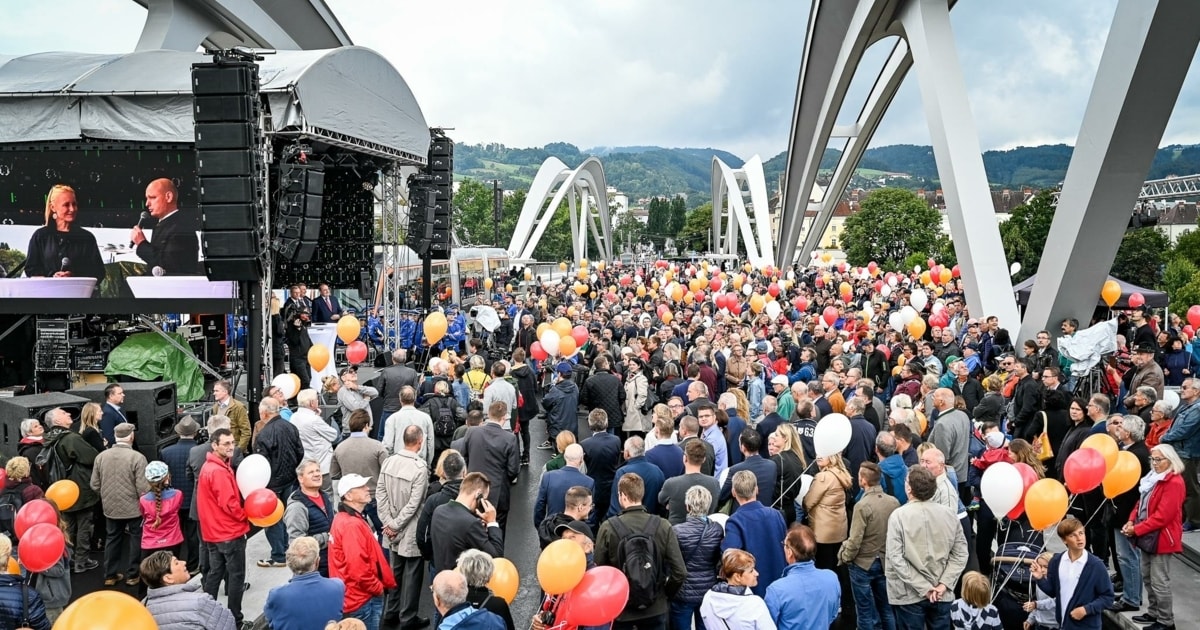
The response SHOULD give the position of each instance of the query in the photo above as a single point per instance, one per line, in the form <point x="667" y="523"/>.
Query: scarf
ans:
<point x="1149" y="481"/>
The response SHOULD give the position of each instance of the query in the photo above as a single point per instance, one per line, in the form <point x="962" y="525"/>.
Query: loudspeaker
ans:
<point x="16" y="409"/>
<point x="226" y="135"/>
<point x="241" y="216"/>
<point x="298" y="223"/>
<point x="224" y="78"/>
<point x="231" y="244"/>
<point x="147" y="406"/>
<point x="226" y="163"/>
<point x="224" y="108"/>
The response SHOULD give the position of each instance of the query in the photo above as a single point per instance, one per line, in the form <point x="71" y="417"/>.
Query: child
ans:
<point x="1041" y="609"/>
<point x="988" y="446"/>
<point x="160" y="512"/>
<point x="974" y="611"/>
<point x="54" y="584"/>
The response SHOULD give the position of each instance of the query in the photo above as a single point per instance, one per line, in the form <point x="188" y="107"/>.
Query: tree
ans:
<point x="10" y="258"/>
<point x="1185" y="297"/>
<point x="677" y="216"/>
<point x="1188" y="247"/>
<point x="1141" y="257"/>
<point x="658" y="221"/>
<point x="1179" y="273"/>
<point x="1024" y="234"/>
<point x="627" y="230"/>
<point x="697" y="227"/>
<point x="473" y="214"/>
<point x="890" y="225"/>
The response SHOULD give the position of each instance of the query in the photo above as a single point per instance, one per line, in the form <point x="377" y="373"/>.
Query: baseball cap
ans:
<point x="186" y="427"/>
<point x="780" y="380"/>
<point x="564" y="368"/>
<point x="124" y="430"/>
<point x="156" y="471"/>
<point x="350" y="482"/>
<point x="972" y="322"/>
<point x="579" y="527"/>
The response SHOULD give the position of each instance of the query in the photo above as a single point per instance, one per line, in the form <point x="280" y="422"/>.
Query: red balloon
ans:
<point x="842" y="267"/>
<point x="260" y="503"/>
<point x="830" y="315"/>
<point x="1191" y="332"/>
<point x="1193" y="316"/>
<point x="735" y="308"/>
<point x="714" y="284"/>
<point x="580" y="335"/>
<point x="626" y="281"/>
<point x="3" y="477"/>
<point x="41" y="547"/>
<point x="1028" y="478"/>
<point x="872" y="267"/>
<point x="846" y="297"/>
<point x="819" y="282"/>
<point x="34" y="513"/>
<point x="1084" y="470"/>
<point x="773" y="289"/>
<point x="536" y="351"/>
<point x="356" y="352"/>
<point x="931" y="262"/>
<point x="955" y="271"/>
<point x="887" y="352"/>
<point x="598" y="598"/>
<point x="802" y="303"/>
<point x="699" y="295"/>
<point x="1136" y="300"/>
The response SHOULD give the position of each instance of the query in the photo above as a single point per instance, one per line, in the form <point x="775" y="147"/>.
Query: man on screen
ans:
<point x="175" y="247"/>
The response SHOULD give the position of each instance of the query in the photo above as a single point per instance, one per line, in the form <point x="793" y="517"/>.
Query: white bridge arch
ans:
<point x="586" y="193"/>
<point x="730" y="217"/>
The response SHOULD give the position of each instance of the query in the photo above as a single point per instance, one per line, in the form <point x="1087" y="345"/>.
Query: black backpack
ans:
<point x="50" y="464"/>
<point x="444" y="422"/>
<point x="10" y="504"/>
<point x="638" y="558"/>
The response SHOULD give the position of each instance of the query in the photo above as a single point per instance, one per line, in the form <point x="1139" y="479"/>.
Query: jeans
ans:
<point x="1156" y="577"/>
<point x="402" y="603"/>
<point x="369" y="613"/>
<point x="1130" y="561"/>
<point x="79" y="529"/>
<point x="227" y="561"/>
<point x="922" y="615"/>
<point x="122" y="547"/>
<point x="870" y="596"/>
<point x="684" y="614"/>
<point x="649" y="623"/>
<point x="277" y="534"/>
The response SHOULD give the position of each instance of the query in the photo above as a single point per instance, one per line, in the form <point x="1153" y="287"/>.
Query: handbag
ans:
<point x="1045" y="451"/>
<point x="1147" y="542"/>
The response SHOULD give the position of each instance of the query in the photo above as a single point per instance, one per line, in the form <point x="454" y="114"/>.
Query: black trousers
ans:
<point x="227" y="562"/>
<point x="402" y="603"/>
<point x="191" y="541"/>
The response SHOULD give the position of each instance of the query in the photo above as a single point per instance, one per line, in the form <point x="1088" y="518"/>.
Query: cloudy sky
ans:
<point x="696" y="73"/>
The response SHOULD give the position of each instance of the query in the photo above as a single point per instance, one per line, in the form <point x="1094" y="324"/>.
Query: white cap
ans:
<point x="350" y="482"/>
<point x="780" y="380"/>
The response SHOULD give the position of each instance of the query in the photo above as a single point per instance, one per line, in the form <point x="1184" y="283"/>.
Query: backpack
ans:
<point x="10" y="504"/>
<point x="444" y="422"/>
<point x="50" y="464"/>
<point x="638" y="558"/>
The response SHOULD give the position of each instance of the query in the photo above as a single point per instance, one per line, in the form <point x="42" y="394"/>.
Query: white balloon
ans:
<point x="916" y="268"/>
<point x="892" y="281"/>
<point x="907" y="314"/>
<point x="1172" y="398"/>
<point x="748" y="289"/>
<point x="773" y="309"/>
<point x="896" y="321"/>
<point x="550" y="341"/>
<point x="719" y="518"/>
<point x="1014" y="269"/>
<point x="285" y="384"/>
<point x="1002" y="487"/>
<point x="887" y="290"/>
<point x="938" y="307"/>
<point x="919" y="299"/>
<point x="832" y="435"/>
<point x="806" y="481"/>
<point x="253" y="474"/>
<point x="791" y="275"/>
<point x="592" y="277"/>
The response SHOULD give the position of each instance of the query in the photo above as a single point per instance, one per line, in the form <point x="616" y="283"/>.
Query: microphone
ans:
<point x="158" y="272"/>
<point x="145" y="216"/>
<point x="66" y="262"/>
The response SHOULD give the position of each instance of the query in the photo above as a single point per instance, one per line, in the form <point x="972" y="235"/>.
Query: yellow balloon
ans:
<point x="667" y="316"/>
<point x="544" y="326"/>
<point x="528" y="274"/>
<point x="562" y="266"/>
<point x="106" y="610"/>
<point x="488" y="283"/>
<point x="435" y="327"/>
<point x="945" y="275"/>
<point x="925" y="277"/>
<point x="738" y="281"/>
<point x="562" y="326"/>
<point x="583" y="262"/>
<point x="688" y="298"/>
<point x="757" y="303"/>
<point x="348" y="328"/>
<point x="561" y="566"/>
<point x="676" y="291"/>
<point x="508" y="288"/>
<point x="826" y="257"/>
<point x="916" y="328"/>
<point x="641" y="291"/>
<point x="571" y="311"/>
<point x="668" y="275"/>
<point x="566" y="346"/>
<point x="1110" y="292"/>
<point x="592" y="295"/>
<point x="1104" y="444"/>
<point x="600" y="265"/>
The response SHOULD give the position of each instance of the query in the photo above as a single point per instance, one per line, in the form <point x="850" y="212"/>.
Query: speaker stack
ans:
<point x="441" y="173"/>
<point x="226" y="109"/>
<point x="298" y="222"/>
<point x="150" y="407"/>
<point x="18" y="408"/>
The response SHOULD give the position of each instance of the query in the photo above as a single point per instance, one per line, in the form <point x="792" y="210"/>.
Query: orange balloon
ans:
<point x="318" y="356"/>
<point x="945" y="275"/>
<point x="583" y="263"/>
<point x="505" y="579"/>
<point x="641" y="291"/>
<point x="1106" y="446"/>
<point x="676" y="291"/>
<point x="668" y="275"/>
<point x="916" y="328"/>
<point x="1123" y="476"/>
<point x="435" y="327"/>
<point x="738" y="280"/>
<point x="1110" y="292"/>
<point x="566" y="346"/>
<point x="826" y="257"/>
<point x="14" y="567"/>
<point x="667" y="317"/>
<point x="544" y="326"/>
<point x="561" y="566"/>
<point x="295" y="382"/>
<point x="845" y="288"/>
<point x="925" y="277"/>
<point x="688" y="298"/>
<point x="1045" y="503"/>
<point x="64" y="493"/>
<point x="106" y="610"/>
<point x="757" y="303"/>
<point x="562" y="266"/>
<point x="348" y="328"/>
<point x="272" y="518"/>
<point x="488" y="283"/>
<point x="580" y="288"/>
<point x="562" y="326"/>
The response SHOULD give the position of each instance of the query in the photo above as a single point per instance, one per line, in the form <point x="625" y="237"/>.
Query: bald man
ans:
<point x="175" y="248"/>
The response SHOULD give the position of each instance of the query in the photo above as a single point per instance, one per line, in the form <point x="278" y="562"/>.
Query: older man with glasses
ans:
<point x="1184" y="435"/>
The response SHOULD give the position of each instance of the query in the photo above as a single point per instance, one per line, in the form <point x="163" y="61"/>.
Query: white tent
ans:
<point x="349" y="96"/>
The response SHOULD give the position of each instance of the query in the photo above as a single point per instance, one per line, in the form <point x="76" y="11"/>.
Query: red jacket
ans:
<point x="1165" y="513"/>
<point x="356" y="557"/>
<point x="218" y="502"/>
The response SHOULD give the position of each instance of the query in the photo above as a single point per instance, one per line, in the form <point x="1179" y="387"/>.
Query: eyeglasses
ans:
<point x="1158" y="459"/>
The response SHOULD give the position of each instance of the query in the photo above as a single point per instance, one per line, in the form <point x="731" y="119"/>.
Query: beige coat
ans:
<point x="918" y="556"/>
<point x="636" y="390"/>
<point x="119" y="475"/>
<point x="400" y="494"/>
<point x="826" y="505"/>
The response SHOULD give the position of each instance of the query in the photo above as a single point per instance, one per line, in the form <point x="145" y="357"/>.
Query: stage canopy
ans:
<point x="349" y="96"/>
<point x="1154" y="299"/>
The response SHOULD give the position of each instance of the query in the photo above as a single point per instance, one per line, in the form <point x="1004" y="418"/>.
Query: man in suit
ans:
<point x="491" y="450"/>
<point x="391" y="380"/>
<point x="552" y="490"/>
<point x="326" y="309"/>
<point x="114" y="397"/>
<point x="175" y="247"/>
<point x="765" y="471"/>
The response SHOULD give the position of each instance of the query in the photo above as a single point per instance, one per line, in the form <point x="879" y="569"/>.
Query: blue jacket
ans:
<point x="306" y="601"/>
<point x="733" y="431"/>
<point x="552" y="491"/>
<point x="651" y="476"/>
<point x="10" y="604"/>
<point x="764" y="470"/>
<point x="1094" y="592"/>
<point x="757" y="529"/>
<point x="895" y="472"/>
<point x="805" y="597"/>
<point x="668" y="458"/>
<point x="175" y="457"/>
<point x="1184" y="433"/>
<point x="467" y="617"/>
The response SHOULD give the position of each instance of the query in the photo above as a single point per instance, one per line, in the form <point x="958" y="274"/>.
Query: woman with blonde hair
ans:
<point x="825" y="504"/>
<point x="20" y="605"/>
<point x="564" y="439"/>
<point x="788" y="455"/>
<point x="61" y="248"/>
<point x="743" y="403"/>
<point x="89" y="426"/>
<point x="1022" y="452"/>
<point x="661" y="419"/>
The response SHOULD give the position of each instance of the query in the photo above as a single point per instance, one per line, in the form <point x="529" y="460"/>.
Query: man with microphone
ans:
<point x="175" y="247"/>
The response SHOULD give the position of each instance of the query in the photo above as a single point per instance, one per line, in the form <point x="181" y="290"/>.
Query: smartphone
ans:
<point x="479" y="503"/>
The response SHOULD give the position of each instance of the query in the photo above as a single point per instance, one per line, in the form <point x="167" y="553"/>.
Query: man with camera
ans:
<point x="297" y="317"/>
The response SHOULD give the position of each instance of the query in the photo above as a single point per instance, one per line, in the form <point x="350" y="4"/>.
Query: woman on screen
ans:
<point x="60" y="249"/>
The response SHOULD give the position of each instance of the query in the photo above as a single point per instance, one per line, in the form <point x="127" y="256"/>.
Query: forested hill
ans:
<point x="645" y="171"/>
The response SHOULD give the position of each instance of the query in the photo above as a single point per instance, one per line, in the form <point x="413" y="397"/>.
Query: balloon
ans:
<point x="580" y="288"/>
<point x="356" y="352"/>
<point x="34" y="513"/>
<point x="550" y="341"/>
<point x="435" y="327"/>
<point x="536" y="351"/>
<point x="253" y="474"/>
<point x="830" y="315"/>
<point x="919" y="299"/>
<point x="1001" y="487"/>
<point x="801" y="303"/>
<point x="348" y="328"/>
<point x="318" y="356"/>
<point x="1193" y="316"/>
<point x="580" y="335"/>
<point x="1084" y="470"/>
<point x="895" y="321"/>
<point x="106" y="610"/>
<point x="845" y="288"/>
<point x="567" y="346"/>
<point x="944" y="275"/>
<point x="274" y="517"/>
<point x="757" y="303"/>
<point x="832" y="435"/>
<point x="505" y="579"/>
<point x="64" y="493"/>
<point x="926" y="278"/>
<point x="873" y="268"/>
<point x="1172" y="398"/>
<point x="14" y="567"/>
<point x="747" y="289"/>
<point x="773" y="289"/>
<point x="1045" y="503"/>
<point x="773" y="309"/>
<point x="41" y="546"/>
<point x="714" y="284"/>
<point x="1014" y="269"/>
<point x="907" y="314"/>
<point x="955" y="272"/>
<point x="598" y="598"/>
<point x="561" y="566"/>
<point x="260" y="503"/>
<point x="1123" y="476"/>
<point x="1104" y="444"/>
<point x="285" y="384"/>
<point x="562" y="266"/>
<point x="1136" y="300"/>
<point x="806" y="481"/>
<point x="916" y="328"/>
<point x="1110" y="292"/>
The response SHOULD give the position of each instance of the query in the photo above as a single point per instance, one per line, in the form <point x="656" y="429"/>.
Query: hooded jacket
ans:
<point x="734" y="608"/>
<point x="187" y="607"/>
<point x="562" y="404"/>
<point x="526" y="391"/>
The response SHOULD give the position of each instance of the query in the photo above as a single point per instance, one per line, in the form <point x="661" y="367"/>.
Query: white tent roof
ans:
<point x="349" y="95"/>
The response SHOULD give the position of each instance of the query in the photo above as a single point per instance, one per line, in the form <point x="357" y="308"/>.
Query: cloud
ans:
<point x="700" y="73"/>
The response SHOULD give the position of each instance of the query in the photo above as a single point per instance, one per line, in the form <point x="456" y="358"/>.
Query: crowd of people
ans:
<point x="680" y="431"/>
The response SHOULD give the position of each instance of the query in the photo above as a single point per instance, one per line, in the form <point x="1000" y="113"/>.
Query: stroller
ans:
<point x="1012" y="581"/>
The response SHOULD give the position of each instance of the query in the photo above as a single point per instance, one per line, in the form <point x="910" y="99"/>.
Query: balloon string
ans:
<point x="1007" y="532"/>
<point x="1098" y="509"/>
<point x="1016" y="564"/>
<point x="777" y="502"/>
